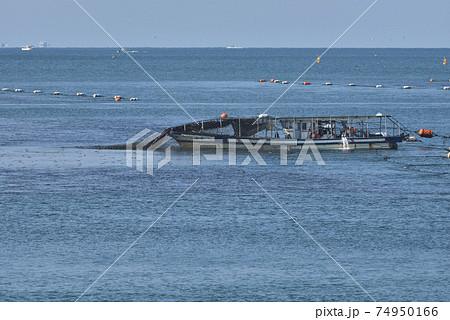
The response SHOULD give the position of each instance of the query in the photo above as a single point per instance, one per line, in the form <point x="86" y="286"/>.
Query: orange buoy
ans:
<point x="431" y="80"/>
<point x="117" y="98"/>
<point x="262" y="80"/>
<point x="306" y="83"/>
<point x="224" y="115"/>
<point x="272" y="80"/>
<point x="426" y="133"/>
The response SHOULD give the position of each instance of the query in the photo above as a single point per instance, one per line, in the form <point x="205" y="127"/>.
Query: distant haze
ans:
<point x="208" y="23"/>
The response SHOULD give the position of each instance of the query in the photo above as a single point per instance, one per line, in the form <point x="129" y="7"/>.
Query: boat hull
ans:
<point x="206" y="141"/>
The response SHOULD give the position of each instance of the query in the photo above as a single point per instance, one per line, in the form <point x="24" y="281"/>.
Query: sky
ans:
<point x="218" y="23"/>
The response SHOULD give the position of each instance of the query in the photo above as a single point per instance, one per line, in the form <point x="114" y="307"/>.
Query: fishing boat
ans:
<point x="327" y="133"/>
<point x="27" y="48"/>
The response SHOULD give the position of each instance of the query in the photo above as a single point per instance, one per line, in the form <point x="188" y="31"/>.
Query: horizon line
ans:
<point x="213" y="47"/>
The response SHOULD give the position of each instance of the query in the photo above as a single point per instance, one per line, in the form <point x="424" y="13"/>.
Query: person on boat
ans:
<point x="288" y="135"/>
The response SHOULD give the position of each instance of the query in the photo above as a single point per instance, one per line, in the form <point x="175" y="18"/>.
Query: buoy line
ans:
<point x="352" y="84"/>
<point x="58" y="93"/>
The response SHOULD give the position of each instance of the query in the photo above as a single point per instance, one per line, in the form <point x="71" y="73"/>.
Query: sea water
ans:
<point x="68" y="213"/>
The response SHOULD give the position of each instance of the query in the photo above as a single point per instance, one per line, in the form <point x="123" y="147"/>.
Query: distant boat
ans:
<point x="234" y="47"/>
<point x="27" y="48"/>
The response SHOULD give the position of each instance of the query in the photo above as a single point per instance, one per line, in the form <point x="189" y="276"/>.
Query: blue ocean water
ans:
<point x="67" y="213"/>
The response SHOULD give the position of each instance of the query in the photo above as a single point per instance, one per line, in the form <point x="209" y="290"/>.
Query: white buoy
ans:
<point x="379" y="114"/>
<point x="446" y="88"/>
<point x="276" y="81"/>
<point x="351" y="84"/>
<point x="285" y="82"/>
<point x="37" y="91"/>
<point x="134" y="99"/>
<point x="328" y="84"/>
<point x="18" y="90"/>
<point x="379" y="86"/>
<point x="96" y="95"/>
<point x="56" y="93"/>
<point x="6" y="89"/>
<point x="80" y="94"/>
<point x="406" y="87"/>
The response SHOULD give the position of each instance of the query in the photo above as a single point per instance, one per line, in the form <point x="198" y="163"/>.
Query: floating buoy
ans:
<point x="318" y="59"/>
<point x="306" y="83"/>
<point x="224" y="115"/>
<point x="406" y="87"/>
<point x="134" y="99"/>
<point x="446" y="88"/>
<point x="379" y="114"/>
<point x="431" y="80"/>
<point x="379" y="86"/>
<point x="37" y="91"/>
<point x="80" y="94"/>
<point x="328" y="84"/>
<point x="262" y="80"/>
<point x="285" y="82"/>
<point x="6" y="89"/>
<point x="95" y="95"/>
<point x="117" y="98"/>
<point x="272" y="80"/>
<point x="426" y="133"/>
<point x="276" y="81"/>
<point x="56" y="93"/>
<point x="351" y="84"/>
<point x="445" y="61"/>
<point x="18" y="90"/>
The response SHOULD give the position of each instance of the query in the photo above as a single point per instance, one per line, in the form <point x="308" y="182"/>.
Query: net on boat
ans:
<point x="233" y="127"/>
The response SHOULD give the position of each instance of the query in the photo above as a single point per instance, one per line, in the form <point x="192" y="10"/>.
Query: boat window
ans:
<point x="304" y="126"/>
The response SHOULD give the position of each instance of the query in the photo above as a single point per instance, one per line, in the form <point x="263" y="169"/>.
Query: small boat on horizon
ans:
<point x="27" y="48"/>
